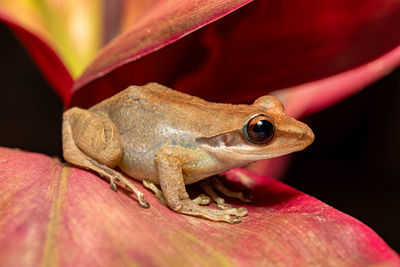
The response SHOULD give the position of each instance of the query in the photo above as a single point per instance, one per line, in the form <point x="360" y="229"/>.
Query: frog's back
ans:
<point x="151" y="116"/>
<point x="154" y="105"/>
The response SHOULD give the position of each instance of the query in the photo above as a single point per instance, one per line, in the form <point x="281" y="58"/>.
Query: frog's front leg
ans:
<point x="169" y="164"/>
<point x="93" y="142"/>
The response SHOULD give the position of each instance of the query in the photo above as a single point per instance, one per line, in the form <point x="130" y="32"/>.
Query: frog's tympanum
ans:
<point x="170" y="139"/>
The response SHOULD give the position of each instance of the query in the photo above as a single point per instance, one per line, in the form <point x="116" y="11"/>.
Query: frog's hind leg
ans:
<point x="217" y="184"/>
<point x="157" y="192"/>
<point x="211" y="183"/>
<point x="93" y="142"/>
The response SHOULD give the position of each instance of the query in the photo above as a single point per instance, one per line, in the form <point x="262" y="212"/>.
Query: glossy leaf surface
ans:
<point x="58" y="215"/>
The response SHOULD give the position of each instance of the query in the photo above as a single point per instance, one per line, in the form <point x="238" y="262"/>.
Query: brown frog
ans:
<point x="167" y="138"/>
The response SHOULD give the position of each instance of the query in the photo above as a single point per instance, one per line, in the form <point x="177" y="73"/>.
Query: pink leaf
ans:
<point x="57" y="215"/>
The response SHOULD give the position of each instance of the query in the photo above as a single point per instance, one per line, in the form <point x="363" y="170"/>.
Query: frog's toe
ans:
<point x="224" y="206"/>
<point x="221" y="203"/>
<point x="143" y="203"/>
<point x="235" y="219"/>
<point x="113" y="186"/>
<point x="202" y="200"/>
<point x="242" y="211"/>
<point x="232" y="215"/>
<point x="241" y="195"/>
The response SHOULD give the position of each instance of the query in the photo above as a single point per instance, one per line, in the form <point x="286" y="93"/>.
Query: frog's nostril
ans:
<point x="299" y="133"/>
<point x="307" y="136"/>
<point x="304" y="135"/>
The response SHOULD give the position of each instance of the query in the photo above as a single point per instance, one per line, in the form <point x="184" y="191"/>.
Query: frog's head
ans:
<point x="263" y="131"/>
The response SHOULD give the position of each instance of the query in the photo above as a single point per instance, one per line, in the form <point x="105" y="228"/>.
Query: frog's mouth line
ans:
<point x="224" y="140"/>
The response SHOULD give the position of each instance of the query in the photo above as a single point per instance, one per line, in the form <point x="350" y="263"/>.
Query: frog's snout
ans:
<point x="299" y="133"/>
<point x="306" y="136"/>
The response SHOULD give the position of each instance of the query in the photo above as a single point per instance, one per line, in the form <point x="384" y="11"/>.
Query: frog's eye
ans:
<point x="259" y="129"/>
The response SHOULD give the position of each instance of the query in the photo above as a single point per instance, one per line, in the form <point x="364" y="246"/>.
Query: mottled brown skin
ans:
<point x="167" y="138"/>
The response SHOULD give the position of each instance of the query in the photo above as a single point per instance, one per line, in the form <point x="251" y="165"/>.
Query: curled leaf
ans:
<point x="325" y="92"/>
<point x="264" y="46"/>
<point x="122" y="63"/>
<point x="56" y="215"/>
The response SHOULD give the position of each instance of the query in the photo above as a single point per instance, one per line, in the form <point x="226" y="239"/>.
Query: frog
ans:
<point x="168" y="139"/>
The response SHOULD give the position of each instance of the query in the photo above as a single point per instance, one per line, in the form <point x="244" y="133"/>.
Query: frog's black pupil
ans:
<point x="263" y="130"/>
<point x="259" y="129"/>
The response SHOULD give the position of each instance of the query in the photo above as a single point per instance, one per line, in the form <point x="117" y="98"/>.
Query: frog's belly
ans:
<point x="142" y="166"/>
<point x="139" y="162"/>
<point x="146" y="170"/>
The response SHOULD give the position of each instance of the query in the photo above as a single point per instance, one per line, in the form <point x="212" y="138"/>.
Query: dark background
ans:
<point x="353" y="164"/>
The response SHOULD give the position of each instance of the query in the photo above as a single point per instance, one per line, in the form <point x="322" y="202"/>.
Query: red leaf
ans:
<point x="53" y="214"/>
<point x="265" y="46"/>
<point x="162" y="24"/>
<point x="322" y="93"/>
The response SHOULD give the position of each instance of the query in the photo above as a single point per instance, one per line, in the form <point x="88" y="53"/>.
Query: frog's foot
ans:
<point x="232" y="215"/>
<point x="207" y="188"/>
<point x="103" y="152"/>
<point x="200" y="200"/>
<point x="113" y="176"/>
<point x="130" y="186"/>
<point x="243" y="196"/>
<point x="157" y="192"/>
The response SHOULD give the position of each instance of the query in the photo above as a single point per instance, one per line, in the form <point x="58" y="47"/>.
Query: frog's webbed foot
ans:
<point x="92" y="142"/>
<point x="200" y="200"/>
<point x="174" y="191"/>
